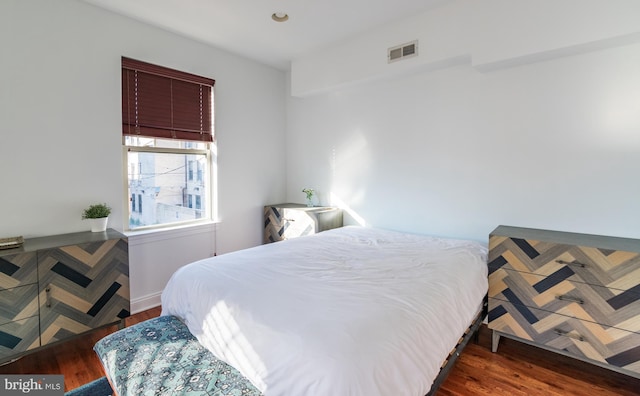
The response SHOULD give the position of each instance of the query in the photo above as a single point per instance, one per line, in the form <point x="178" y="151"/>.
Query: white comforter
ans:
<point x="351" y="311"/>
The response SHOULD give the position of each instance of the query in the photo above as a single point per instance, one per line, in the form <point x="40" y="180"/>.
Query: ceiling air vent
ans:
<point x="402" y="51"/>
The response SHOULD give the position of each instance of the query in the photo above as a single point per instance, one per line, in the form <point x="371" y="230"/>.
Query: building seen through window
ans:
<point x="162" y="186"/>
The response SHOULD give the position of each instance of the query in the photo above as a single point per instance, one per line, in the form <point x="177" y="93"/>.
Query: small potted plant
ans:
<point x="98" y="216"/>
<point x="309" y="192"/>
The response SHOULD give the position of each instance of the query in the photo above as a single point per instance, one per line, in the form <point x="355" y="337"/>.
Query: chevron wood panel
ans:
<point x="559" y="294"/>
<point x="82" y="287"/>
<point x="588" y="340"/>
<point x="18" y="269"/>
<point x="299" y="223"/>
<point x="609" y="268"/>
<point x="18" y="303"/>
<point x="19" y="336"/>
<point x="61" y="327"/>
<point x="274" y="224"/>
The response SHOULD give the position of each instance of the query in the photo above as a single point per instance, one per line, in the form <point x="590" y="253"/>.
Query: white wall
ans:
<point x="155" y="256"/>
<point x="61" y="143"/>
<point x="551" y="143"/>
<point x="491" y="34"/>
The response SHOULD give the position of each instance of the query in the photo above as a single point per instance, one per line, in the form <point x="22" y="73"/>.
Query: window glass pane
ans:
<point x="161" y="185"/>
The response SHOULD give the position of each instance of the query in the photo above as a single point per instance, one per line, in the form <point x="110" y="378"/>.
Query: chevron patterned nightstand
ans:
<point x="290" y="220"/>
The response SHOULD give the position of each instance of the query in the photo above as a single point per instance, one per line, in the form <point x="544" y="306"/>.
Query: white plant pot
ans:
<point x="99" y="225"/>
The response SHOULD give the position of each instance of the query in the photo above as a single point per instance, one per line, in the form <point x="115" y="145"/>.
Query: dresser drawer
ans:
<point x="616" y="269"/>
<point x="597" y="304"/>
<point x="586" y="340"/>
<point x="18" y="303"/>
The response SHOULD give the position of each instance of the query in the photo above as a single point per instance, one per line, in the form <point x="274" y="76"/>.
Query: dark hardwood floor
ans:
<point x="517" y="369"/>
<point x="520" y="369"/>
<point x="75" y="359"/>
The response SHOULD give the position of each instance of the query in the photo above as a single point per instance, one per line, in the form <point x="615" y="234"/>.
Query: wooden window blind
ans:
<point x="165" y="103"/>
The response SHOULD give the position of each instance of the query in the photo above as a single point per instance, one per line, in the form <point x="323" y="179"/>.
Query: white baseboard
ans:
<point x="146" y="302"/>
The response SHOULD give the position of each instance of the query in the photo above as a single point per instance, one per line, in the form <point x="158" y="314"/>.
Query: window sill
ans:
<point x="159" y="234"/>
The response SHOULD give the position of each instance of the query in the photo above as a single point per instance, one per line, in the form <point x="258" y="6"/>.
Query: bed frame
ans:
<point x="113" y="348"/>
<point x="471" y="332"/>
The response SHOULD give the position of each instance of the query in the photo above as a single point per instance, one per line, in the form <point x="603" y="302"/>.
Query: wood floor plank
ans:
<point x="516" y="370"/>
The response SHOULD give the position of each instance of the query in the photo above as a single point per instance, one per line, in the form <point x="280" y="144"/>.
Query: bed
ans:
<point x="350" y="311"/>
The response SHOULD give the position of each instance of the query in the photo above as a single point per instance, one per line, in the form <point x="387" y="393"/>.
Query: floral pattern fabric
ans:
<point x="161" y="357"/>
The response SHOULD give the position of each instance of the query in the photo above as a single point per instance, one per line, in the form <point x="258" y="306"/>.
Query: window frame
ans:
<point x="165" y="104"/>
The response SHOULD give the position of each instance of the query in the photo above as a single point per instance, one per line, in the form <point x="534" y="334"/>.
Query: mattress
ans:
<point x="350" y="311"/>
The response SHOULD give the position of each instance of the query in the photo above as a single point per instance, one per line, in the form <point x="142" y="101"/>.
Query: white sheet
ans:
<point x="350" y="311"/>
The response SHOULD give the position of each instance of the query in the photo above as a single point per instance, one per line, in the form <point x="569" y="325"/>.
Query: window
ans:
<point x="167" y="134"/>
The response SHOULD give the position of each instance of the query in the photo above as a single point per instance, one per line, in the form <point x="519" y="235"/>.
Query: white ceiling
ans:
<point x="245" y="27"/>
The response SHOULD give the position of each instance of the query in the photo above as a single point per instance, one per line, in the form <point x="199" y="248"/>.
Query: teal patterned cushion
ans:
<point x="161" y="357"/>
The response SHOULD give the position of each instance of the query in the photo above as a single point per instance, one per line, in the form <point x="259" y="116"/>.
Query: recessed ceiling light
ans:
<point x="280" y="16"/>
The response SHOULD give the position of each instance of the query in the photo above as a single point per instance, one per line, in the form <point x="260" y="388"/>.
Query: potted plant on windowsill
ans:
<point x="98" y="216"/>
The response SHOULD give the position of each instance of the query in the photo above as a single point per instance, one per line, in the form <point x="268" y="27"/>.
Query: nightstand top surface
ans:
<point x="301" y="206"/>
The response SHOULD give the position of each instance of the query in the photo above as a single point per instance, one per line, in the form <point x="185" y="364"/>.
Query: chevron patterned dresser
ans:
<point x="53" y="288"/>
<point x="575" y="294"/>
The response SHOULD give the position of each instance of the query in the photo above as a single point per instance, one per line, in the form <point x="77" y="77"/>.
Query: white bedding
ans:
<point x="350" y="311"/>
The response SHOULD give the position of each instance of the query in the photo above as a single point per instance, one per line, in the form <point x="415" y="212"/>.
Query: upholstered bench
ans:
<point x="161" y="357"/>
